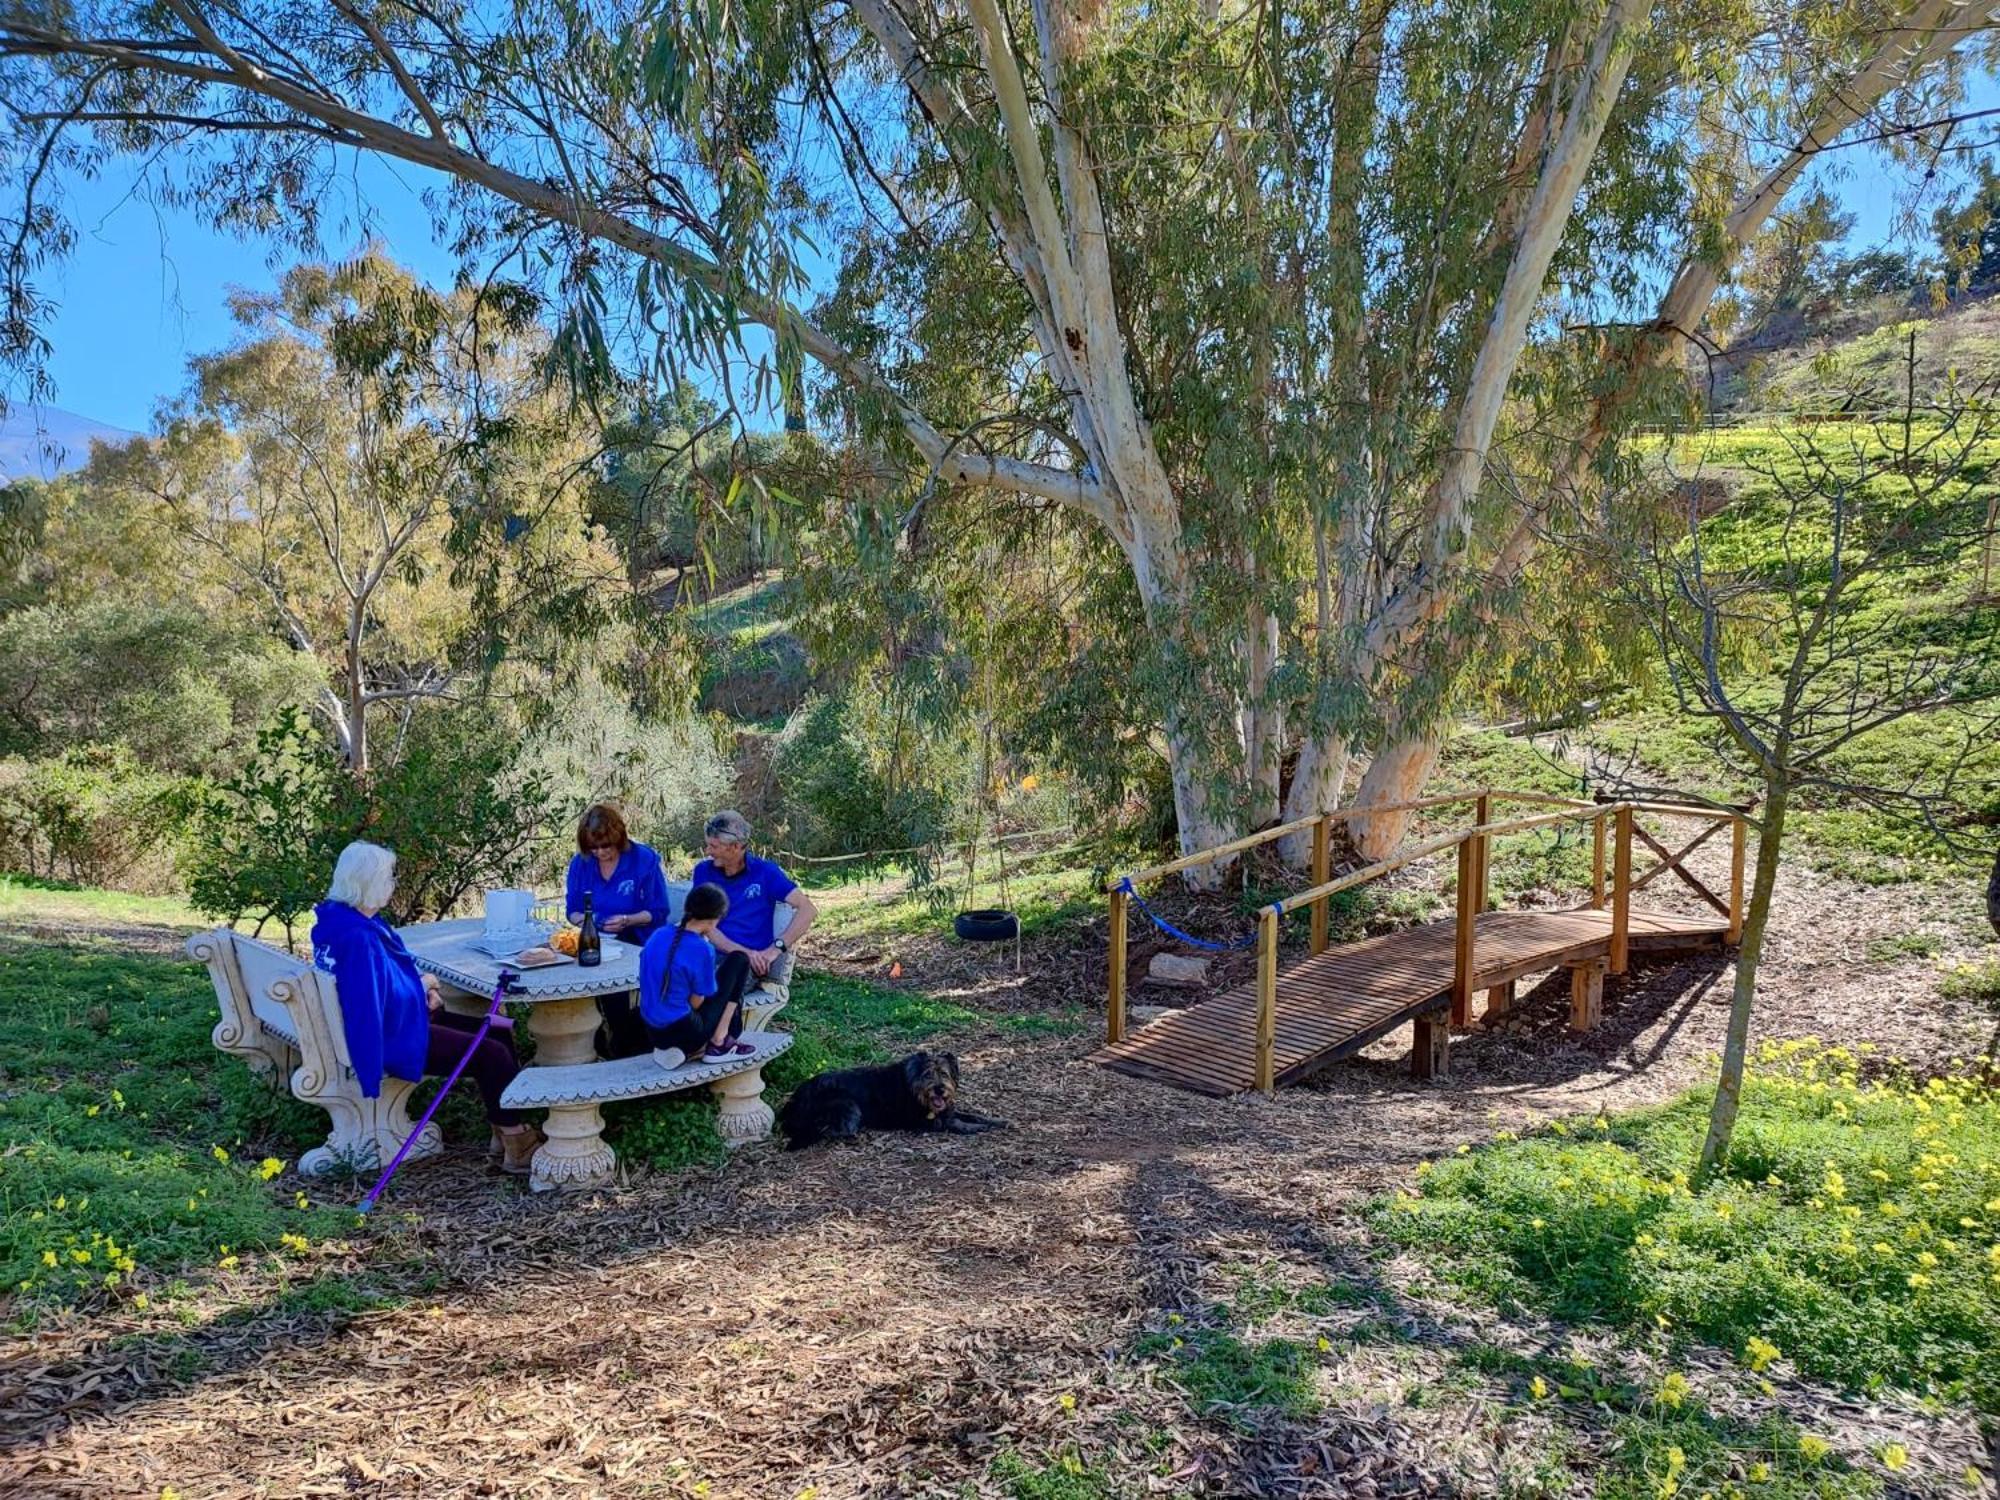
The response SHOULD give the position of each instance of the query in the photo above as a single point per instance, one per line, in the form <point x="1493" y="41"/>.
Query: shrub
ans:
<point x="453" y="804"/>
<point x="91" y="815"/>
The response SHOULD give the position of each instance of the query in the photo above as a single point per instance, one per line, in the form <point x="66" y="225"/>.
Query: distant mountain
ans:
<point x="41" y="442"/>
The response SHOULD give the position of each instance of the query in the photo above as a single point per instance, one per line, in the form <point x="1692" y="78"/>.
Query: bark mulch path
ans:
<point x="911" y="1316"/>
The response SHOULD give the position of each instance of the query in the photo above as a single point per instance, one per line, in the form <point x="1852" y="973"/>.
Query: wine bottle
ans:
<point x="589" y="952"/>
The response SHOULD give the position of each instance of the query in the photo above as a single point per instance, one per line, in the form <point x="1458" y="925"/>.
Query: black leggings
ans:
<point x="626" y="1033"/>
<point x="493" y="1064"/>
<point x="693" y="1031"/>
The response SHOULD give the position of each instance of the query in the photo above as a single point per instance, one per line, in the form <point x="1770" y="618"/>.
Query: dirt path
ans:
<point x="898" y="1318"/>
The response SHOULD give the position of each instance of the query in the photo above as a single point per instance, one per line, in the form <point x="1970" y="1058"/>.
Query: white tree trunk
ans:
<point x="1318" y="782"/>
<point x="1397" y="774"/>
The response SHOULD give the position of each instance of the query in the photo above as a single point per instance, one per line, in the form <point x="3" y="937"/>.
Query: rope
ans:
<point x="1247" y="940"/>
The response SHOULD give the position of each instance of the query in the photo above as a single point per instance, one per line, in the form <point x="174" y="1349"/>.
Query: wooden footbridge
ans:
<point x="1290" y="1022"/>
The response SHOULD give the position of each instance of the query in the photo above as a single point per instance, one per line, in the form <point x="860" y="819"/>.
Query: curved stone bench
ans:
<point x="575" y="1153"/>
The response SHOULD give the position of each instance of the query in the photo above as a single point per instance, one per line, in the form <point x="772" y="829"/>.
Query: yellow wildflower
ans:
<point x="270" y="1167"/>
<point x="1758" y="1472"/>
<point x="62" y="1202"/>
<point x="218" y="1153"/>
<point x="1030" y="782"/>
<point x="142" y="1302"/>
<point x="48" y="1257"/>
<point x="117" y="1098"/>
<point x="1760" y="1354"/>
<point x="1894" y="1457"/>
<point x="1918" y="1280"/>
<point x="299" y="1200"/>
<point x="1538" y="1388"/>
<point x="1325" y="1344"/>
<point x="1813" y="1449"/>
<point x="1926" y="1259"/>
<point x="81" y="1257"/>
<point x="296" y="1242"/>
<point x="1067" y="1402"/>
<point x="1674" y="1389"/>
<point x="91" y="1113"/>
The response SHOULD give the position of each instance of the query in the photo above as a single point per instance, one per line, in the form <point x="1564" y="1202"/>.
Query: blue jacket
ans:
<point x="382" y="1003"/>
<point x="637" y="883"/>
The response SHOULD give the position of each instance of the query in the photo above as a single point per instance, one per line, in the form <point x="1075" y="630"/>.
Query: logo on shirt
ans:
<point x="625" y="887"/>
<point x="752" y="892"/>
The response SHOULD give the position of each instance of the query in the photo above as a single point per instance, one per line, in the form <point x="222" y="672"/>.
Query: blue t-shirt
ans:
<point x="754" y="895"/>
<point x="637" y="883"/>
<point x="664" y="994"/>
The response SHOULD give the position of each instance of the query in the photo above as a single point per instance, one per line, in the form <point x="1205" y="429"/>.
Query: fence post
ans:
<point x="1322" y="864"/>
<point x="1738" y="828"/>
<point x="1621" y="892"/>
<point x="1114" y="1008"/>
<point x="1597" y="832"/>
<point x="1482" y="813"/>
<point x="1267" y="999"/>
<point x="1461" y="966"/>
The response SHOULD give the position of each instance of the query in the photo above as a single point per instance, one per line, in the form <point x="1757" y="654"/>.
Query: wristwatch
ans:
<point x="782" y="946"/>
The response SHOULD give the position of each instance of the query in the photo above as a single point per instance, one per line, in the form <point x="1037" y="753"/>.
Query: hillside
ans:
<point x="1854" y="361"/>
<point x="40" y="442"/>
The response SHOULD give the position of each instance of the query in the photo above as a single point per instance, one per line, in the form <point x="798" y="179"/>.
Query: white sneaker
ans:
<point x="669" y="1057"/>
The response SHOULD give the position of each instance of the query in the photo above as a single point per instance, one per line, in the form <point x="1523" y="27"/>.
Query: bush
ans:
<point x="454" y="805"/>
<point x="1852" y="1226"/>
<point x="92" y="816"/>
<point x="667" y="775"/>
<point x="851" y="778"/>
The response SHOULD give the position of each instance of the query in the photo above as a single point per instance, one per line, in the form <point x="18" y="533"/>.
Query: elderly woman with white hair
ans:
<point x="390" y="1009"/>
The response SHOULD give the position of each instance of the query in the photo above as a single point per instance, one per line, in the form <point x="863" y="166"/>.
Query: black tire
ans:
<point x="988" y="926"/>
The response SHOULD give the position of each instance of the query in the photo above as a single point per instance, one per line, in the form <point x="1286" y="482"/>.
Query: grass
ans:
<point x="127" y="1154"/>
<point x="24" y="899"/>
<point x="1906" y="617"/>
<point x="1902" y="945"/>
<point x="1854" y="1229"/>
<point x="1065" y="1477"/>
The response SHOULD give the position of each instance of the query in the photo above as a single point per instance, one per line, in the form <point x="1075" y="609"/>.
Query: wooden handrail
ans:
<point x="1339" y="815"/>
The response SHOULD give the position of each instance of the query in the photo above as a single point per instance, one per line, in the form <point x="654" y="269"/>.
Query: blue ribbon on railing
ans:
<point x="1247" y="940"/>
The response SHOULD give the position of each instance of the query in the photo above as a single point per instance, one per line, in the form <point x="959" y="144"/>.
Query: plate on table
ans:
<point x="540" y="958"/>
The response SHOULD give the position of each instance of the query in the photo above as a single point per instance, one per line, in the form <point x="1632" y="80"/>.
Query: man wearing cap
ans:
<point x="756" y="888"/>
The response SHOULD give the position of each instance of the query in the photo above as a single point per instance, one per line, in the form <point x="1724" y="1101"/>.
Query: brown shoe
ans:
<point x="518" y="1151"/>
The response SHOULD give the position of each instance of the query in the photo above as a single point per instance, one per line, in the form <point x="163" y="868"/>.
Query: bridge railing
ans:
<point x="1614" y="830"/>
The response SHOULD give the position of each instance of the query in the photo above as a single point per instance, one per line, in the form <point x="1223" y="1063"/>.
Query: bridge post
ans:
<point x="1738" y="828"/>
<point x="1322" y="865"/>
<point x="1461" y="965"/>
<point x="1621" y="892"/>
<point x="1597" y="831"/>
<point x="1482" y="815"/>
<point x="1267" y="999"/>
<point x="1430" y="1047"/>
<point x="1114" y="1006"/>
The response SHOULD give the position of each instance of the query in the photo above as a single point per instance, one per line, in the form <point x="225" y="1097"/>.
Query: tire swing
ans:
<point x="987" y="924"/>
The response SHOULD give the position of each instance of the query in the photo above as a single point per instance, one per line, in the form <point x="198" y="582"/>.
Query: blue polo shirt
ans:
<point x="636" y="884"/>
<point x="754" y="896"/>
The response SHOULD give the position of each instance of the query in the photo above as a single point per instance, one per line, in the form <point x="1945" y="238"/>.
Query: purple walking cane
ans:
<point x="508" y="981"/>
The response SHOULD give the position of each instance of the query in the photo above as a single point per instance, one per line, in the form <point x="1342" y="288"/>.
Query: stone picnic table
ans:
<point x="563" y="1022"/>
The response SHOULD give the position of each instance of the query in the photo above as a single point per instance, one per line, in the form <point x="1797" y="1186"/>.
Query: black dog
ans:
<point x="918" y="1093"/>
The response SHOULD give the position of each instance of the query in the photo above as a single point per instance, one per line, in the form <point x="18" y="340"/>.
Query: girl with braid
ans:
<point x="684" y="1015"/>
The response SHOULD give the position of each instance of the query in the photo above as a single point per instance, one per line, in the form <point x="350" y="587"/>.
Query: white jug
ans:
<point x="508" y="911"/>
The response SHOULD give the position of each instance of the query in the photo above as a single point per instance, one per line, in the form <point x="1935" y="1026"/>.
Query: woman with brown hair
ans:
<point x="627" y="890"/>
<point x="623" y="879"/>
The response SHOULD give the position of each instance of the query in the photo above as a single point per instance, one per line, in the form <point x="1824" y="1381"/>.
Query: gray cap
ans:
<point x="732" y="826"/>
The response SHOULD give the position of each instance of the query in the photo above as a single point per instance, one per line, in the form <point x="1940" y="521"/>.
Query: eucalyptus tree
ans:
<point x="378" y="474"/>
<point x="1282" y="306"/>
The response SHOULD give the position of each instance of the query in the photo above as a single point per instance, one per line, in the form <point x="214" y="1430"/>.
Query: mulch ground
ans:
<point x="888" y="1319"/>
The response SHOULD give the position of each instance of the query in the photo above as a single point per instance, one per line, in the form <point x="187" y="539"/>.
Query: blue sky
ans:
<point x="147" y="287"/>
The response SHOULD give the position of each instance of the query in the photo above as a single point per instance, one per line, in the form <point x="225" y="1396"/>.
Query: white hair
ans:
<point x="364" y="877"/>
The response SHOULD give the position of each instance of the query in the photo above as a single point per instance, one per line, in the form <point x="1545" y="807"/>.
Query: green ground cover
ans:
<point x="1854" y="1229"/>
